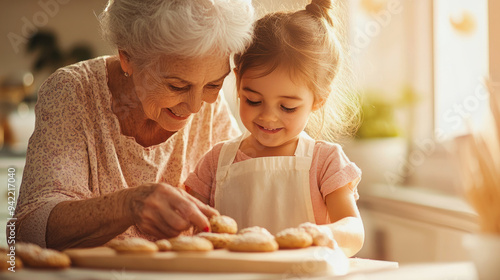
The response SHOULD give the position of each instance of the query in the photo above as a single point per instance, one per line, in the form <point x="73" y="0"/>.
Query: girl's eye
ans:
<point x="253" y="103"/>
<point x="288" y="110"/>
<point x="174" y="88"/>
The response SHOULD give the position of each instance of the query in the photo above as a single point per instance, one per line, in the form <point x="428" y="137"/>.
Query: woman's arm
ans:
<point x="346" y="226"/>
<point x="157" y="209"/>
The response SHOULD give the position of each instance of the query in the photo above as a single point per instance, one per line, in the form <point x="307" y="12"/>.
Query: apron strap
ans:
<point x="305" y="148"/>
<point x="227" y="155"/>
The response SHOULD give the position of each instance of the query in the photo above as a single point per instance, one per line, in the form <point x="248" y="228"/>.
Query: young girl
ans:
<point x="275" y="175"/>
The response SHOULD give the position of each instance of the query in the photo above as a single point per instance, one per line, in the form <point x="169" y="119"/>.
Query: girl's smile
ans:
<point x="270" y="130"/>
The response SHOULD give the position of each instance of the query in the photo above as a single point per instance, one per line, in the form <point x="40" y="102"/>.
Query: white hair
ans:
<point x="147" y="29"/>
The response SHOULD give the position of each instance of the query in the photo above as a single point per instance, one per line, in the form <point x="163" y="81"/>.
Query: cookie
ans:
<point x="133" y="245"/>
<point x="293" y="238"/>
<point x="7" y="261"/>
<point x="223" y="224"/>
<point x="191" y="243"/>
<point x="310" y="228"/>
<point x="34" y="256"/>
<point x="253" y="242"/>
<point x="322" y="239"/>
<point x="219" y="240"/>
<point x="163" y="245"/>
<point x="319" y="238"/>
<point x="255" y="229"/>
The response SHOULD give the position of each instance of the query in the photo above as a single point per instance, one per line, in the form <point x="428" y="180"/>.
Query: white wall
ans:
<point x="73" y="21"/>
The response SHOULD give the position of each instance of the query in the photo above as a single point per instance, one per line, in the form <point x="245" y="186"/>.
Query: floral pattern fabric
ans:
<point x="77" y="151"/>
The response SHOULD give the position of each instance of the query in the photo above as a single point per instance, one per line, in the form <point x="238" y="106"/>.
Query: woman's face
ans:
<point x="176" y="88"/>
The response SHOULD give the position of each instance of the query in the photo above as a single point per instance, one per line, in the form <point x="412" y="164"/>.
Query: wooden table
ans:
<point x="363" y="270"/>
<point x="357" y="267"/>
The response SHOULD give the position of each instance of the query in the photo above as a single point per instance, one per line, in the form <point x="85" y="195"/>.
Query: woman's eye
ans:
<point x="252" y="103"/>
<point x="174" y="88"/>
<point x="288" y="110"/>
<point x="214" y="86"/>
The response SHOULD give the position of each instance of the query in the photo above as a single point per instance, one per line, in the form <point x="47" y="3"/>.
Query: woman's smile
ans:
<point x="174" y="115"/>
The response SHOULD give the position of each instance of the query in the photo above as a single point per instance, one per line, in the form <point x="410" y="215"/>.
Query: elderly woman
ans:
<point x="115" y="136"/>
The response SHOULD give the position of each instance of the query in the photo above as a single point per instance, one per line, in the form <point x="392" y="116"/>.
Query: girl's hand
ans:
<point x="165" y="211"/>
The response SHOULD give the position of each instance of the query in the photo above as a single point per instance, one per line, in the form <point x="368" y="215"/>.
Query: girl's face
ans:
<point x="177" y="88"/>
<point x="274" y="108"/>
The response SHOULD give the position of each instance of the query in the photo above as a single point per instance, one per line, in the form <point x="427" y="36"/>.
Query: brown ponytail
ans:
<point x="321" y="9"/>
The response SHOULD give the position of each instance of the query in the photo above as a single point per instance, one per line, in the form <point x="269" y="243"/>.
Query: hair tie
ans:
<point x="320" y="8"/>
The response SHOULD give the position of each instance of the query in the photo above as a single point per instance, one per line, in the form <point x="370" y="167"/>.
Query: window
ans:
<point x="441" y="50"/>
<point x="460" y="65"/>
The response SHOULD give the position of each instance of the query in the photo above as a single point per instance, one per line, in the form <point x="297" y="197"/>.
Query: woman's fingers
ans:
<point x="154" y="230"/>
<point x="165" y="211"/>
<point x="190" y="211"/>
<point x="204" y="208"/>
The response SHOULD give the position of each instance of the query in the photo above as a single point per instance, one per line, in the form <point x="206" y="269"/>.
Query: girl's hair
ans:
<point x="305" y="43"/>
<point x="148" y="29"/>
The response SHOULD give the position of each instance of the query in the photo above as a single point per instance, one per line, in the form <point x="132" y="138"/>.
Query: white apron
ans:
<point x="271" y="192"/>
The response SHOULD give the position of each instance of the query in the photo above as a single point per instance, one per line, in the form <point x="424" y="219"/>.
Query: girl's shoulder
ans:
<point x="328" y="153"/>
<point x="324" y="146"/>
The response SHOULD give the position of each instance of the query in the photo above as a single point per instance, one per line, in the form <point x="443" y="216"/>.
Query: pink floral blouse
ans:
<point x="77" y="151"/>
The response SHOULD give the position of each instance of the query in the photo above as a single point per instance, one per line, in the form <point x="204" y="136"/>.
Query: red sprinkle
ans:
<point x="206" y="229"/>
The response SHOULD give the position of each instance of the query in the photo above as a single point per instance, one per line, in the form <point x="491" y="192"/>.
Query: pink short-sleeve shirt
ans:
<point x="78" y="152"/>
<point x="330" y="170"/>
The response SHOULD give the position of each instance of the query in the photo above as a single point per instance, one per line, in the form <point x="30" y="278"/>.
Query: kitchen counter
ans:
<point x="362" y="269"/>
<point x="356" y="266"/>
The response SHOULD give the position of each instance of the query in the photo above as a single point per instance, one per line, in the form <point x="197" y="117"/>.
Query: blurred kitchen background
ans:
<point x="419" y="66"/>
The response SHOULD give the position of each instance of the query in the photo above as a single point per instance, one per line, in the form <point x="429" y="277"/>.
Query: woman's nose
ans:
<point x="194" y="101"/>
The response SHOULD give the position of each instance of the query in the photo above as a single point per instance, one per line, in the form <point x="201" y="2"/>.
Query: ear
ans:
<point x="237" y="77"/>
<point x="318" y="104"/>
<point x="125" y="62"/>
<point x="235" y="71"/>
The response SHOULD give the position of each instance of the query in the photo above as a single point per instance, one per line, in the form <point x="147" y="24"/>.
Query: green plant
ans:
<point x="49" y="54"/>
<point x="379" y="113"/>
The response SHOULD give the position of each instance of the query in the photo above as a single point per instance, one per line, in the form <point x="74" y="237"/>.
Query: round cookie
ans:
<point x="319" y="238"/>
<point x="322" y="239"/>
<point x="223" y="224"/>
<point x="163" y="245"/>
<point x="253" y="242"/>
<point x="255" y="229"/>
<point x="310" y="228"/>
<point x="5" y="261"/>
<point x="34" y="256"/>
<point x="293" y="238"/>
<point x="133" y="245"/>
<point x="191" y="243"/>
<point x="219" y="240"/>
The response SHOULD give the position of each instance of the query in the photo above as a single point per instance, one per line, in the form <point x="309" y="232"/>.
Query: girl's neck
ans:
<point x="252" y="148"/>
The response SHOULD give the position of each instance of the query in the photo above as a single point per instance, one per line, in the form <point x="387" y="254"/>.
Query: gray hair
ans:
<point x="148" y="29"/>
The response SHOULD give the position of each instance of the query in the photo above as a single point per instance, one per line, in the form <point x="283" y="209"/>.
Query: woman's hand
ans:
<point x="165" y="211"/>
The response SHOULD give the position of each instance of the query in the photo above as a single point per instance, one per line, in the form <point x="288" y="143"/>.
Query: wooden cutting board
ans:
<point x="311" y="261"/>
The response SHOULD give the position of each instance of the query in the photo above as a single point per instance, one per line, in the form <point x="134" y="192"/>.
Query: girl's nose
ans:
<point x="268" y="114"/>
